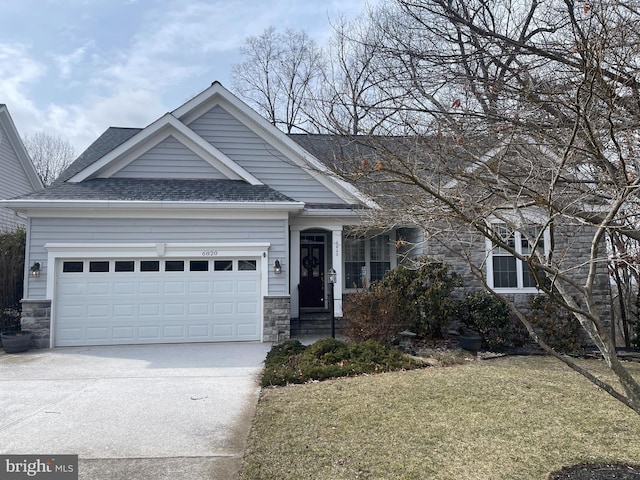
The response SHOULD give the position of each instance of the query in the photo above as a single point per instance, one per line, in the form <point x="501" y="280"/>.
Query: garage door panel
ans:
<point x="199" y="288"/>
<point x="196" y="309"/>
<point x="198" y="330"/>
<point x="247" y="286"/>
<point x="98" y="289"/>
<point x="149" y="332"/>
<point x="173" y="331"/>
<point x="108" y="307"/>
<point x="174" y="288"/>
<point x="149" y="288"/>
<point x="149" y="309"/>
<point x="123" y="310"/>
<point x="125" y="288"/>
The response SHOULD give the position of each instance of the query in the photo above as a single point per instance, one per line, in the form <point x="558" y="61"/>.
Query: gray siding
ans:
<point x="260" y="159"/>
<point x="99" y="230"/>
<point x="169" y="159"/>
<point x="13" y="180"/>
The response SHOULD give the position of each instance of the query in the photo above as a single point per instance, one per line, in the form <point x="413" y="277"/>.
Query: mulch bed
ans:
<point x="606" y="471"/>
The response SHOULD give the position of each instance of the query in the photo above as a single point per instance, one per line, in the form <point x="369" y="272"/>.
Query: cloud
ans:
<point x="66" y="63"/>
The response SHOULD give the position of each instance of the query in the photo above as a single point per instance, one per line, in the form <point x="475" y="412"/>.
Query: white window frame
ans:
<point x="490" y="247"/>
<point x="393" y="261"/>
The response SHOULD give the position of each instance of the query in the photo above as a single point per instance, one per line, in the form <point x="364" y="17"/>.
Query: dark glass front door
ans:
<point x="312" y="271"/>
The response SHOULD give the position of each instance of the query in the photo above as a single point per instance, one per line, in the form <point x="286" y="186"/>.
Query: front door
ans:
<point x="312" y="270"/>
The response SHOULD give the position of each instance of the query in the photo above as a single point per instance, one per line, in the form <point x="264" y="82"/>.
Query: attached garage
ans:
<point x="112" y="301"/>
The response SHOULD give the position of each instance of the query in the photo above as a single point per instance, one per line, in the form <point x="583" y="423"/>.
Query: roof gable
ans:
<point x="146" y="139"/>
<point x="16" y="164"/>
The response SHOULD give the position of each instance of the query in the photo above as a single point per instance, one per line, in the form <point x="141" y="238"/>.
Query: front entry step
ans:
<point x="317" y="323"/>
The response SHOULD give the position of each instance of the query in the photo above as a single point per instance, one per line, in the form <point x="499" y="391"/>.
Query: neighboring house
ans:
<point x="207" y="225"/>
<point x="18" y="174"/>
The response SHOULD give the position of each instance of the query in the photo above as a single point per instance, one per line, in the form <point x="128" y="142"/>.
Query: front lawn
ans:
<point x="510" y="418"/>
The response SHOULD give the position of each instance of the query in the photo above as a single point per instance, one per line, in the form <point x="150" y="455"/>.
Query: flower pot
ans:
<point x="470" y="342"/>
<point x="16" y="342"/>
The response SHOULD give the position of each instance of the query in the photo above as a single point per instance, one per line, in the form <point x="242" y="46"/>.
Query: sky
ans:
<point x="75" y="67"/>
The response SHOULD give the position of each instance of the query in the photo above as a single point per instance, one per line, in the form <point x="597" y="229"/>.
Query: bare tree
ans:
<point x="50" y="154"/>
<point x="276" y="75"/>
<point x="524" y="121"/>
<point x="348" y="99"/>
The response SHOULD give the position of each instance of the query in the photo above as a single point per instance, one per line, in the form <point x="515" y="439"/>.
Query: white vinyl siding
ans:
<point x="266" y="163"/>
<point x="140" y="230"/>
<point x="170" y="159"/>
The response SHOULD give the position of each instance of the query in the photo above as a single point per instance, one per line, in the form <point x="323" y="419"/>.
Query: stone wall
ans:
<point x="36" y="318"/>
<point x="277" y="324"/>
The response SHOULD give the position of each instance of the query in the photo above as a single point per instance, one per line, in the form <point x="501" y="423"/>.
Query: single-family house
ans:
<point x="18" y="174"/>
<point x="207" y="225"/>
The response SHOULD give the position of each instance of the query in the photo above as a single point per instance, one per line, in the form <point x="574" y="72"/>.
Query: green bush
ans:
<point x="557" y="326"/>
<point x="330" y="358"/>
<point x="12" y="246"/>
<point x="372" y="314"/>
<point x="489" y="316"/>
<point x="424" y="295"/>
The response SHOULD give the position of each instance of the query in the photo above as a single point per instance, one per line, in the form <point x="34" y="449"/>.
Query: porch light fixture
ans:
<point x="34" y="271"/>
<point x="277" y="268"/>
<point x="332" y="276"/>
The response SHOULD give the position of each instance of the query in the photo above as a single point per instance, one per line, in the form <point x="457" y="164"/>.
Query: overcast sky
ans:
<point x="76" y="67"/>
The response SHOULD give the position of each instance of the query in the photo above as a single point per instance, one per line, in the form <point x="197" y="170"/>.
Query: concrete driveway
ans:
<point x="133" y="412"/>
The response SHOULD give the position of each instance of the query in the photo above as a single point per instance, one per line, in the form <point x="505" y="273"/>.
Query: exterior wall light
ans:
<point x="34" y="271"/>
<point x="277" y="268"/>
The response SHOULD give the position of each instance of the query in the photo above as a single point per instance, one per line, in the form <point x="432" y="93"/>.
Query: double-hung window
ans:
<point x="504" y="270"/>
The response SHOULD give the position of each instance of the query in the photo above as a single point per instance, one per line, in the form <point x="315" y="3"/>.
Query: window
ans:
<point x="72" y="267"/>
<point x="124" y="265"/>
<point x="246" y="265"/>
<point x="199" y="265"/>
<point x="354" y="261"/>
<point x="100" y="267"/>
<point x="149" y="266"/>
<point x="505" y="271"/>
<point x="174" y="266"/>
<point x="380" y="257"/>
<point x="368" y="258"/>
<point x="222" y="265"/>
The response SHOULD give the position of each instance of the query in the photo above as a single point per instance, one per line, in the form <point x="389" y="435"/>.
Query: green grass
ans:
<point x="509" y="418"/>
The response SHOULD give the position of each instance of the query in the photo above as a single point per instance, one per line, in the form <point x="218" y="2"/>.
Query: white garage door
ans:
<point x="124" y="301"/>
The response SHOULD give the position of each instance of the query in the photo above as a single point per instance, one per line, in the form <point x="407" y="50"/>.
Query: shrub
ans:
<point x="372" y="314"/>
<point x="12" y="246"/>
<point x="330" y="358"/>
<point x="556" y="325"/>
<point x="424" y="295"/>
<point x="489" y="316"/>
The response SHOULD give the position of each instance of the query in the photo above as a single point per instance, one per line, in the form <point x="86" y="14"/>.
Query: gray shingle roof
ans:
<point x="164" y="190"/>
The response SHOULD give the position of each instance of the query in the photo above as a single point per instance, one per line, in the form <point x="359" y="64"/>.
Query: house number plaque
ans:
<point x="210" y="253"/>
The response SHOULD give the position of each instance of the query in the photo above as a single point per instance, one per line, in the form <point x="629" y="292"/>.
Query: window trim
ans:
<point x="490" y="247"/>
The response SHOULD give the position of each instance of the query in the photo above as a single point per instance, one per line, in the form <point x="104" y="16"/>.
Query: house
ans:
<point x="18" y="174"/>
<point x="207" y="225"/>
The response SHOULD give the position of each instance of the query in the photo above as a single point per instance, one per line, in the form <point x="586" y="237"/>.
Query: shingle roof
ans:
<point x="165" y="190"/>
<point x="106" y="142"/>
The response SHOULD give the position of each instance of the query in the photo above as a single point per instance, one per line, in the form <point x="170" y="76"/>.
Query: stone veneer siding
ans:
<point x="36" y="318"/>
<point x="277" y="323"/>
